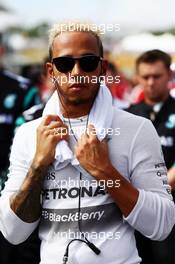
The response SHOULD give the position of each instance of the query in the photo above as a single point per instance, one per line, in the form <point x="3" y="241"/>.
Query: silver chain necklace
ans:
<point x="71" y="129"/>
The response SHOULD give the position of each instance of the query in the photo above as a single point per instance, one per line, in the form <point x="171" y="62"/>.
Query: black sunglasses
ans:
<point x="88" y="63"/>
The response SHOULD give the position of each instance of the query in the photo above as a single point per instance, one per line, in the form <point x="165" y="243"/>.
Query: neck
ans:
<point x="73" y="112"/>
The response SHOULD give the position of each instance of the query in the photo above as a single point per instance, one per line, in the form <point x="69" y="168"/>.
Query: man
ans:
<point x="153" y="73"/>
<point x="105" y="195"/>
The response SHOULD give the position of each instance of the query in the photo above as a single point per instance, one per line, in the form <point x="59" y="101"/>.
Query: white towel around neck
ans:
<point x="100" y="116"/>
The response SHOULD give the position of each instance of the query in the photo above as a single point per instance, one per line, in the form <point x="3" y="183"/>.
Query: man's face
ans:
<point x="76" y="44"/>
<point x="154" y="78"/>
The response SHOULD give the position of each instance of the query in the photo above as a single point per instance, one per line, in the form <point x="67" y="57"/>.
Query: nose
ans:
<point x="150" y="81"/>
<point x="76" y="69"/>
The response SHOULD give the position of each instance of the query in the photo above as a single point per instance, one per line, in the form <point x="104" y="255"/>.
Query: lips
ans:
<point x="77" y="86"/>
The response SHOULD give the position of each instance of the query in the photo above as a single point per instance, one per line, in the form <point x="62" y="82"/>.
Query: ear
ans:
<point x="104" y="66"/>
<point x="49" y="67"/>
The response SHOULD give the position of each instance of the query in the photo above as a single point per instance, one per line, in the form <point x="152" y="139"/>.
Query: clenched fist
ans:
<point x="92" y="153"/>
<point x="49" y="133"/>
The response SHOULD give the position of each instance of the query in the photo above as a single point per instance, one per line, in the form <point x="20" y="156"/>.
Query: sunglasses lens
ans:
<point x="89" y="63"/>
<point x="64" y="64"/>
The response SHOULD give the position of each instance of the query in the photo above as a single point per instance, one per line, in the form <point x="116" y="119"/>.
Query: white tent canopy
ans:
<point x="146" y="41"/>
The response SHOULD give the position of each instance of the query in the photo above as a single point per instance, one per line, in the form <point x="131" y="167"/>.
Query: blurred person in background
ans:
<point x="40" y="82"/>
<point x="15" y="97"/>
<point x="14" y="100"/>
<point x="45" y="88"/>
<point x="33" y="72"/>
<point x="137" y="93"/>
<point x="153" y="73"/>
<point x="119" y="87"/>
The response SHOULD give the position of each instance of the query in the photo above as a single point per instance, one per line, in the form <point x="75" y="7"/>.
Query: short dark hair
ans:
<point x="152" y="56"/>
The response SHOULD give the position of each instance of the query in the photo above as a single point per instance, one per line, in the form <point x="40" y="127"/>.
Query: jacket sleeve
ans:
<point x="154" y="212"/>
<point x="12" y="227"/>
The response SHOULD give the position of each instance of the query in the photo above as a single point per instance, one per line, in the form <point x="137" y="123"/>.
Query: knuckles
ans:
<point x="40" y="129"/>
<point x="92" y="140"/>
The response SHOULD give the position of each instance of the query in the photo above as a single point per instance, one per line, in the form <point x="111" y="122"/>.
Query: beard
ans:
<point x="77" y="101"/>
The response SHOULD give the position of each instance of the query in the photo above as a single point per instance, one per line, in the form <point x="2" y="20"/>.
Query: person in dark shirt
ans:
<point x="153" y="73"/>
<point x="46" y="90"/>
<point x="14" y="99"/>
<point x="16" y="95"/>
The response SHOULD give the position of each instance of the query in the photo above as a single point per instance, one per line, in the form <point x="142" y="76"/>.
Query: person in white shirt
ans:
<point x="86" y="189"/>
